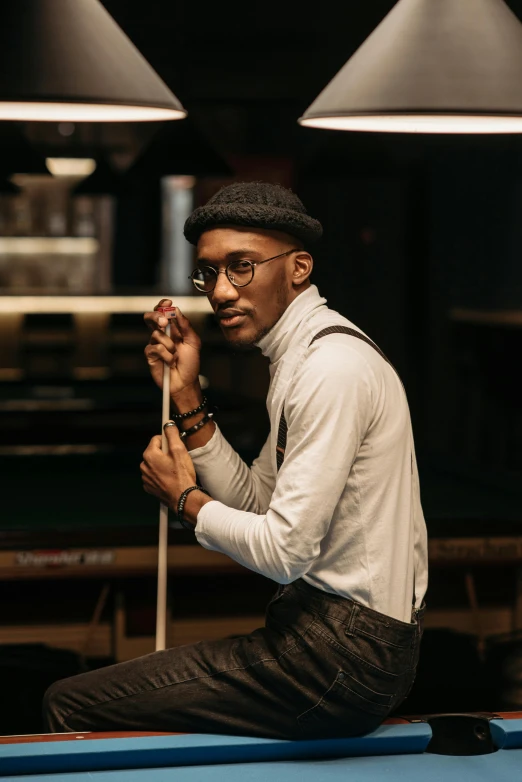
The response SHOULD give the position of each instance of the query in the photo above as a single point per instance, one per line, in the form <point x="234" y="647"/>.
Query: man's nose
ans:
<point x="224" y="290"/>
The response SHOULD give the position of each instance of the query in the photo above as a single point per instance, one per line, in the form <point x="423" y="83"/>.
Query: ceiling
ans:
<point x="275" y="51"/>
<point x="246" y="72"/>
<point x="269" y="51"/>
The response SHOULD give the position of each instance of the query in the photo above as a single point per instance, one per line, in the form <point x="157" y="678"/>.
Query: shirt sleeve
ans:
<point x="227" y="478"/>
<point x="328" y="411"/>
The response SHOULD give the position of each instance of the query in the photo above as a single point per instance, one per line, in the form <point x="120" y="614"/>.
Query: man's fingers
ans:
<point x="145" y="474"/>
<point x="154" y="445"/>
<point x="180" y="326"/>
<point x="171" y="431"/>
<point x="156" y="442"/>
<point x="175" y="330"/>
<point x="157" y="319"/>
<point x="147" y="487"/>
<point x="187" y="331"/>
<point x="183" y="323"/>
<point x="158" y="352"/>
<point x="172" y="435"/>
<point x="159" y="337"/>
<point x="163" y="303"/>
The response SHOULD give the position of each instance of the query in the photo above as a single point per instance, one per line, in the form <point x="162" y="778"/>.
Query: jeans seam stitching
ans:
<point x="316" y="705"/>
<point x="348" y="625"/>
<point x="373" y="703"/>
<point x="184" y="681"/>
<point x="323" y="697"/>
<point x="382" y="640"/>
<point x="343" y="650"/>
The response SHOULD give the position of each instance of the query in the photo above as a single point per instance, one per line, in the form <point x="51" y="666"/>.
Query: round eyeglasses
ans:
<point x="239" y="273"/>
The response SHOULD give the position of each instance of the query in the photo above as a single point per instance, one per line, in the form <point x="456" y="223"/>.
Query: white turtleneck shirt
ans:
<point x="343" y="513"/>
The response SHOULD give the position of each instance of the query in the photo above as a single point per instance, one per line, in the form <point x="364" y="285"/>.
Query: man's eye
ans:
<point x="242" y="265"/>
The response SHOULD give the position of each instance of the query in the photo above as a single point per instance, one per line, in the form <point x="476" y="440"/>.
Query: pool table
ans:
<point x="474" y="747"/>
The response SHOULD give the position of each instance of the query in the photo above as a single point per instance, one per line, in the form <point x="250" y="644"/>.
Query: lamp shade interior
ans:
<point x="418" y="123"/>
<point x="33" y="111"/>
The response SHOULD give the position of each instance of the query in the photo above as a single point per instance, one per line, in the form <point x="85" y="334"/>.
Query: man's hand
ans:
<point x="181" y="351"/>
<point x="167" y="475"/>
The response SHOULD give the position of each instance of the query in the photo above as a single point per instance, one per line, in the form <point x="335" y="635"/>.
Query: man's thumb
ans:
<point x="171" y="433"/>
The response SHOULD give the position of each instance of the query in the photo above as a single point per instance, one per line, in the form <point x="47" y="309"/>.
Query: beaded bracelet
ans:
<point x="181" y="504"/>
<point x="180" y="416"/>
<point x="196" y="427"/>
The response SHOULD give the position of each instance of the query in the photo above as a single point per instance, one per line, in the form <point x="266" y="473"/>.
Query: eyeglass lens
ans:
<point x="240" y="273"/>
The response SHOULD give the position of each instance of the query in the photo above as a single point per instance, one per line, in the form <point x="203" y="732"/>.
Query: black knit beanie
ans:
<point x="256" y="205"/>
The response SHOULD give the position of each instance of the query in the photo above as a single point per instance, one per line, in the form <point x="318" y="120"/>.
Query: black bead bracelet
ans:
<point x="181" y="504"/>
<point x="181" y="416"/>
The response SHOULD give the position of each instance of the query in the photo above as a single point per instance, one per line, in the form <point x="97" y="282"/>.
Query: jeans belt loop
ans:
<point x="349" y="630"/>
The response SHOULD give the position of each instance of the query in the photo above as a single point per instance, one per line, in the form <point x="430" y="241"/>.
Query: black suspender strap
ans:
<point x="283" y="428"/>
<point x="352" y="333"/>
<point x="281" y="440"/>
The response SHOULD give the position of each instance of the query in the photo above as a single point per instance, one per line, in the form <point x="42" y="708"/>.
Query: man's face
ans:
<point x="256" y="307"/>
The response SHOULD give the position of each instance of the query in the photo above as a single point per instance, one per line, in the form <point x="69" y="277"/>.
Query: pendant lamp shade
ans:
<point x="68" y="61"/>
<point x="431" y="66"/>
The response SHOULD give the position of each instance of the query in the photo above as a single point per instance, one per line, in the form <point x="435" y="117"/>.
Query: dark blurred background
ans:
<point x="422" y="250"/>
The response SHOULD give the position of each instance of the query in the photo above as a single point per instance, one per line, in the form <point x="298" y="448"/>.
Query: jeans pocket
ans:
<point x="377" y="656"/>
<point x="347" y="708"/>
<point x="367" y="698"/>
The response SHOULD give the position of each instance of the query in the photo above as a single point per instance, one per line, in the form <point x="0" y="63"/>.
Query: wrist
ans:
<point x="188" y="432"/>
<point x="201" y="437"/>
<point x="183" y="402"/>
<point x="194" y="501"/>
<point x="187" y="398"/>
<point x="188" y="423"/>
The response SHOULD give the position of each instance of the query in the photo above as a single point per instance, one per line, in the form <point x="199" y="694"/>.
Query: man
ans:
<point x="329" y="510"/>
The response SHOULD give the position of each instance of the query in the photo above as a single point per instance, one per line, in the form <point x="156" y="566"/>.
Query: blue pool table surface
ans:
<point x="498" y="767"/>
<point x="392" y="752"/>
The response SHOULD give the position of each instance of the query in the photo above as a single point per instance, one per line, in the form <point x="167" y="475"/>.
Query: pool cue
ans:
<point x="163" y="538"/>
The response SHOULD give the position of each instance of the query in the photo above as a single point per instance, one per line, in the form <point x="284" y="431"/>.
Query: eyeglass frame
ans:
<point x="253" y="264"/>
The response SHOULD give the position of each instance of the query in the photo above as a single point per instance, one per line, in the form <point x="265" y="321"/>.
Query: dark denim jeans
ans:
<point x="322" y="666"/>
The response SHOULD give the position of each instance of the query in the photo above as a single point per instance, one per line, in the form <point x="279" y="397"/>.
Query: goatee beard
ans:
<point x="281" y="294"/>
<point x="247" y="345"/>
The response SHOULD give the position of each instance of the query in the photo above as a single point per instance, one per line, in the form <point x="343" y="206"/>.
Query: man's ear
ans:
<point x="303" y="265"/>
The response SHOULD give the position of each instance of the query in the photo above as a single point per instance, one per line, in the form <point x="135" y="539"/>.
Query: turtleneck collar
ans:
<point x="276" y="342"/>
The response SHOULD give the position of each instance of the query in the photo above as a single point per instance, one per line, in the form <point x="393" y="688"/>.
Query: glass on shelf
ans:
<point x="51" y="243"/>
<point x="83" y="217"/>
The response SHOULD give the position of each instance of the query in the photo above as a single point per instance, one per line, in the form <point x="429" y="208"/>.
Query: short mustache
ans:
<point x="229" y="313"/>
